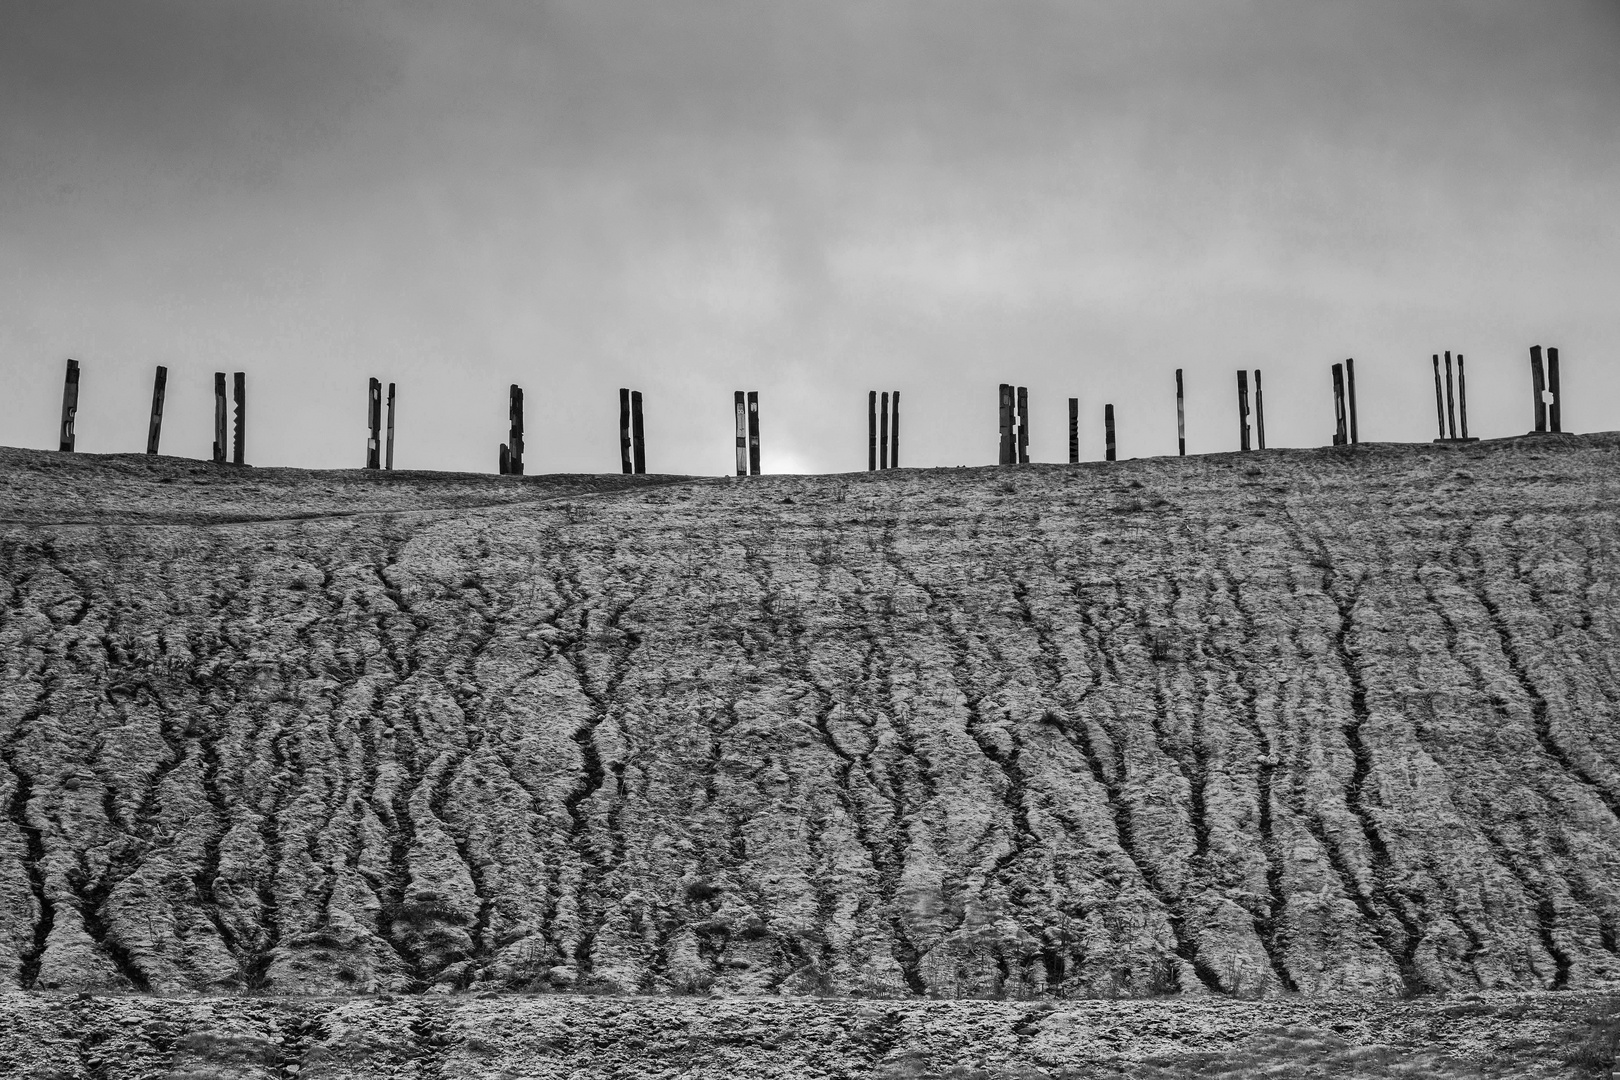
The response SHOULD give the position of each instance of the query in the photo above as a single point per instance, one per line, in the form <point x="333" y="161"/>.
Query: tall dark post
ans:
<point x="1555" y="407"/>
<point x="506" y="460"/>
<point x="220" y="443"/>
<point x="894" y="435"/>
<point x="1439" y="398"/>
<point x="1074" y="431"/>
<point x="742" y="433"/>
<point x="1005" y="401"/>
<point x="871" y="431"/>
<point x="70" y="406"/>
<point x="1350" y="398"/>
<point x="1181" y="417"/>
<point x="374" y="424"/>
<point x="1341" y="435"/>
<point x="626" y="463"/>
<point x="1450" y="397"/>
<point x="389" y="460"/>
<point x="239" y="443"/>
<point x="1243" y="409"/>
<point x="753" y="432"/>
<point x="1259" y="412"/>
<point x="1462" y="394"/>
<point x="1538" y="380"/>
<point x="883" y="433"/>
<point x="638" y="434"/>
<point x="154" y="430"/>
<point x="1023" y="425"/>
<point x="514" y="412"/>
<point x="1108" y="429"/>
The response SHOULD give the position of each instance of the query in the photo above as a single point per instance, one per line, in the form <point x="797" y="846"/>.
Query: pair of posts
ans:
<point x="1446" y="407"/>
<point x="1074" y="431"/>
<point x="746" y="407"/>
<point x="1549" y="401"/>
<point x="374" y="449"/>
<point x="1013" y="402"/>
<point x="512" y="449"/>
<point x="632" y="440"/>
<point x="1243" y="410"/>
<point x="239" y="428"/>
<point x="1344" y="404"/>
<point x="882" y="440"/>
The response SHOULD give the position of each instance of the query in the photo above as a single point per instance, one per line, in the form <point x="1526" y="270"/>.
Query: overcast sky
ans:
<point x="809" y="199"/>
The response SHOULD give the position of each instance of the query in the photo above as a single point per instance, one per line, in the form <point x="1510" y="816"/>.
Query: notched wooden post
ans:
<point x="374" y="424"/>
<point x="894" y="434"/>
<point x="1462" y="396"/>
<point x="871" y="431"/>
<point x="514" y="411"/>
<point x="389" y="464"/>
<point x="70" y="407"/>
<point x="1340" y="434"/>
<point x="753" y="433"/>
<point x="883" y="432"/>
<point x="1004" y="398"/>
<point x="506" y="460"/>
<point x="638" y="435"/>
<point x="1259" y="412"/>
<point x="1538" y="383"/>
<point x="1181" y="417"/>
<point x="1555" y="406"/>
<point x="1350" y="399"/>
<point x="742" y="433"/>
<point x="626" y="460"/>
<point x="1243" y="409"/>
<point x="1451" y="399"/>
<point x="239" y="446"/>
<point x="1023" y="425"/>
<point x="154" y="429"/>
<point x="1108" y="429"/>
<point x="1074" y="431"/>
<point x="1439" y="401"/>
<point x="221" y="446"/>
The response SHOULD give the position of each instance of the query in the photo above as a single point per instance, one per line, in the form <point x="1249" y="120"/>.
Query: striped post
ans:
<point x="1108" y="429"/>
<point x="1023" y="425"/>
<point x="741" y="404"/>
<point x="1074" y="431"/>
<point x="154" y="429"/>
<point x="753" y="432"/>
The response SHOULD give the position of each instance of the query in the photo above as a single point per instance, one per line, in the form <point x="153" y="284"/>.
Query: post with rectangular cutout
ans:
<point x="741" y="404"/>
<point x="1259" y="412"/>
<point x="220" y="408"/>
<point x="871" y="431"/>
<point x="374" y="424"/>
<point x="1181" y="417"/>
<point x="154" y="429"/>
<point x="1451" y="399"/>
<point x="1074" y="431"/>
<point x="1023" y="425"/>
<point x="883" y="433"/>
<point x="239" y="443"/>
<point x="1108" y="429"/>
<point x="514" y="435"/>
<point x="638" y="433"/>
<point x="1243" y="409"/>
<point x="626" y="462"/>
<point x="894" y="435"/>
<point x="1350" y="399"/>
<point x="1005" y="403"/>
<point x="388" y="462"/>
<point x="1538" y="383"/>
<point x="1555" y="407"/>
<point x="1340" y="434"/>
<point x="753" y="433"/>
<point x="70" y="407"/>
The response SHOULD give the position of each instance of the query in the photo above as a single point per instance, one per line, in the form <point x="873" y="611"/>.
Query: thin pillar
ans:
<point x="1259" y="412"/>
<point x="1005" y="402"/>
<point x="1023" y="425"/>
<point x="1555" y="407"/>
<point x="626" y="461"/>
<point x="871" y="431"/>
<point x="1462" y="395"/>
<point x="154" y="430"/>
<point x="1341" y="435"/>
<point x="374" y="424"/>
<point x="1108" y="429"/>
<point x="388" y="461"/>
<point x="1074" y="431"/>
<point x="753" y="432"/>
<point x="221" y="445"/>
<point x="239" y="441"/>
<point x="894" y="435"/>
<point x="1538" y="381"/>
<point x="1243" y="409"/>
<point x="883" y="433"/>
<point x="1350" y="399"/>
<point x="1451" y="400"/>
<point x="1181" y="416"/>
<point x="638" y="435"/>
<point x="1439" y="398"/>
<point x="506" y="460"/>
<point x="741" y="403"/>
<point x="70" y="406"/>
<point x="514" y="444"/>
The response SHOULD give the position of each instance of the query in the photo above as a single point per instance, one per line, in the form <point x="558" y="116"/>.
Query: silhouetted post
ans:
<point x="871" y="431"/>
<point x="154" y="430"/>
<point x="638" y="436"/>
<point x="894" y="435"/>
<point x="1005" y="400"/>
<point x="1462" y="394"/>
<point x="1450" y="397"/>
<point x="389" y="460"/>
<point x="514" y="413"/>
<point x="1181" y="417"/>
<point x="506" y="460"/>
<point x="1108" y="429"/>
<point x="1340" y="434"/>
<point x="1243" y="409"/>
<point x="374" y="424"/>
<point x="70" y="406"/>
<point x="239" y="443"/>
<point x="1555" y="407"/>
<point x="883" y="436"/>
<point x="1074" y="431"/>
<point x="1538" y="381"/>
<point x="1259" y="412"/>
<point x="1023" y="425"/>
<point x="742" y="434"/>
<point x="753" y="432"/>
<point x="626" y="465"/>
<point x="220" y="446"/>
<point x="1439" y="399"/>
<point x="1350" y="398"/>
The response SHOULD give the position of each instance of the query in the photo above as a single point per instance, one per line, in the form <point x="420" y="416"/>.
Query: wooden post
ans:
<point x="1340" y="432"/>
<point x="154" y="430"/>
<point x="1181" y="417"/>
<point x="638" y="436"/>
<point x="1462" y="394"/>
<point x="1108" y="429"/>
<point x="742" y="434"/>
<point x="753" y="433"/>
<point x="1005" y="399"/>
<point x="894" y="434"/>
<point x="389" y="461"/>
<point x="871" y="431"/>
<point x="514" y="412"/>
<point x="1350" y="398"/>
<point x="239" y="445"/>
<point x="1450" y="397"/>
<point x="883" y="433"/>
<point x="506" y="460"/>
<point x="1259" y="412"/>
<point x="1538" y="380"/>
<point x="1074" y="431"/>
<point x="1023" y="425"/>
<point x="1555" y="407"/>
<point x="1243" y="409"/>
<point x="1439" y="399"/>
<point x="220" y="442"/>
<point x="626" y="462"/>
<point x="70" y="406"/>
<point x="374" y="424"/>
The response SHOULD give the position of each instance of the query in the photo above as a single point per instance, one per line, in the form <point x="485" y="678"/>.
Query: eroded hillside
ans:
<point x="898" y="733"/>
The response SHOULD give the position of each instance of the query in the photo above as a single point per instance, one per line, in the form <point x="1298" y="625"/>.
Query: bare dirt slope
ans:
<point x="891" y="734"/>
